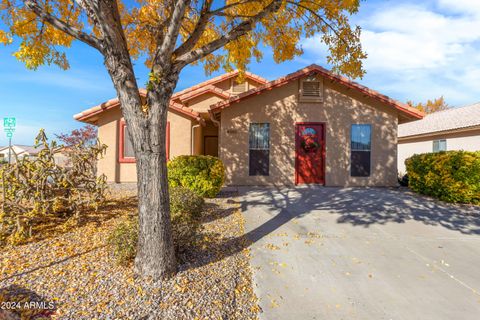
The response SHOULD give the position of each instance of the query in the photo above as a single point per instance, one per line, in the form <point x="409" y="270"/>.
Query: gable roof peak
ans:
<point x="405" y="109"/>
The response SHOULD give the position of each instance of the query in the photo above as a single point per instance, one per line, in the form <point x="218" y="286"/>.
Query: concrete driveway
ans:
<point x="362" y="253"/>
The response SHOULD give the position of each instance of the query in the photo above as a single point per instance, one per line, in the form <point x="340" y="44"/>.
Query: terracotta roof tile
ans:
<point x="218" y="79"/>
<point x="112" y="103"/>
<point x="191" y="91"/>
<point x="412" y="112"/>
<point x="202" y="90"/>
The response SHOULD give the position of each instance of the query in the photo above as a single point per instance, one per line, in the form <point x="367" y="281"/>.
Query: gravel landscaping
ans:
<point x="74" y="269"/>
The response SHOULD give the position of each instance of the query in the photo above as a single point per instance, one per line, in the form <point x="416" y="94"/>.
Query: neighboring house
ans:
<point x="311" y="126"/>
<point x="452" y="129"/>
<point x="22" y="151"/>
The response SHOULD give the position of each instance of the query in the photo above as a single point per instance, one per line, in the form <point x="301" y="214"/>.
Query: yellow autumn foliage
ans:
<point x="145" y="22"/>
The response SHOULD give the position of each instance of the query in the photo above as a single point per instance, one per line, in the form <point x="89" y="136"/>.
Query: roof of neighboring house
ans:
<point x="25" y="149"/>
<point x="87" y="115"/>
<point x="451" y="119"/>
<point x="184" y="95"/>
<point x="407" y="110"/>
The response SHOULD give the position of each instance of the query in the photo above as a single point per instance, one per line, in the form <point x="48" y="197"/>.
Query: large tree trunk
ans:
<point x="147" y="128"/>
<point x="155" y="250"/>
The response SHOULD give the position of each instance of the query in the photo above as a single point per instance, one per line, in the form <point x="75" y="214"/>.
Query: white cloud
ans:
<point x="468" y="7"/>
<point x="418" y="52"/>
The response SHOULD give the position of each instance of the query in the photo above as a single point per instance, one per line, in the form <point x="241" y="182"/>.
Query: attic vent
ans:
<point x="311" y="89"/>
<point x="239" y="87"/>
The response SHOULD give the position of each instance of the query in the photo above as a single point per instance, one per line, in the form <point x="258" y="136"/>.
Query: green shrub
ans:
<point x="452" y="176"/>
<point x="183" y="200"/>
<point x="123" y="240"/>
<point x="204" y="175"/>
<point x="186" y="208"/>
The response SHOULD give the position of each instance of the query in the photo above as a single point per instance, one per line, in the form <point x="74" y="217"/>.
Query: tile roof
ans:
<point x="112" y="103"/>
<point x="202" y="90"/>
<point x="184" y="95"/>
<point x="32" y="150"/>
<point x="451" y="119"/>
<point x="312" y="69"/>
<point x="220" y="78"/>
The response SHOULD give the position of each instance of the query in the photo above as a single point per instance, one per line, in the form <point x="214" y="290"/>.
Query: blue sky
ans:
<point x="417" y="50"/>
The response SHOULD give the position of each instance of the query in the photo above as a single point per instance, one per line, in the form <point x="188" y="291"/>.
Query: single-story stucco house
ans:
<point x="452" y="129"/>
<point x="309" y="127"/>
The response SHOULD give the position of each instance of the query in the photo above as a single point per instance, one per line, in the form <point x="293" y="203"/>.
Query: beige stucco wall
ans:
<point x="468" y="140"/>
<point x="202" y="103"/>
<point x="339" y="110"/>
<point x="108" y="133"/>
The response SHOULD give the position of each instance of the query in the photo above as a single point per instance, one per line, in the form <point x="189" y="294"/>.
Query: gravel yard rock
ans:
<point x="76" y="273"/>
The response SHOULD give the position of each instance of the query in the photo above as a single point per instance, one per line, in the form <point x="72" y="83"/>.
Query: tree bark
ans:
<point x="147" y="130"/>
<point x="155" y="251"/>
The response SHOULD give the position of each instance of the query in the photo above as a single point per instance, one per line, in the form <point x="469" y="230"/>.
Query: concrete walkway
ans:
<point x="356" y="253"/>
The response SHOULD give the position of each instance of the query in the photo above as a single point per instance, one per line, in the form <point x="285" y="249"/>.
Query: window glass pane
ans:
<point x="127" y="145"/>
<point x="259" y="136"/>
<point x="259" y="144"/>
<point x="443" y="145"/>
<point x="361" y="137"/>
<point x="259" y="162"/>
<point x="361" y="144"/>
<point x="439" y="145"/>
<point x="360" y="164"/>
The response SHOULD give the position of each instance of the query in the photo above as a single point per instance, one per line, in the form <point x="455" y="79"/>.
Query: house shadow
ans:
<point x="359" y="207"/>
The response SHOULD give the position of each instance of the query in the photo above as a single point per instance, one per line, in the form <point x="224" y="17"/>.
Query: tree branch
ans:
<point x="175" y="22"/>
<point x="236" y="32"/>
<point x="62" y="25"/>
<point x="329" y="25"/>
<point x="200" y="26"/>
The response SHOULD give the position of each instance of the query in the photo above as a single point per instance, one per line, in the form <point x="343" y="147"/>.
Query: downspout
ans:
<point x="193" y="139"/>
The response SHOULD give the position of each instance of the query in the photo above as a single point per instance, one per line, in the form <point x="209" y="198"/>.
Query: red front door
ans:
<point x="309" y="153"/>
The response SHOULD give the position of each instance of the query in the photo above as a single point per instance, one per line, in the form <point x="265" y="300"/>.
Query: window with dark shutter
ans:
<point x="361" y="146"/>
<point x="259" y="149"/>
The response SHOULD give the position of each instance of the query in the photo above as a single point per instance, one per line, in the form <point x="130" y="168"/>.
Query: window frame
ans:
<point x="250" y="149"/>
<point x="438" y="141"/>
<point x="361" y="150"/>
<point x="121" y="143"/>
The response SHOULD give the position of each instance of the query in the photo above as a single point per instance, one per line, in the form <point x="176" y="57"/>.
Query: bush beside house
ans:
<point x="186" y="208"/>
<point x="204" y="175"/>
<point x="452" y="176"/>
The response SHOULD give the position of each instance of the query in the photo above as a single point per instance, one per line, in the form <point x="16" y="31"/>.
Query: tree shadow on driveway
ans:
<point x="360" y="207"/>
